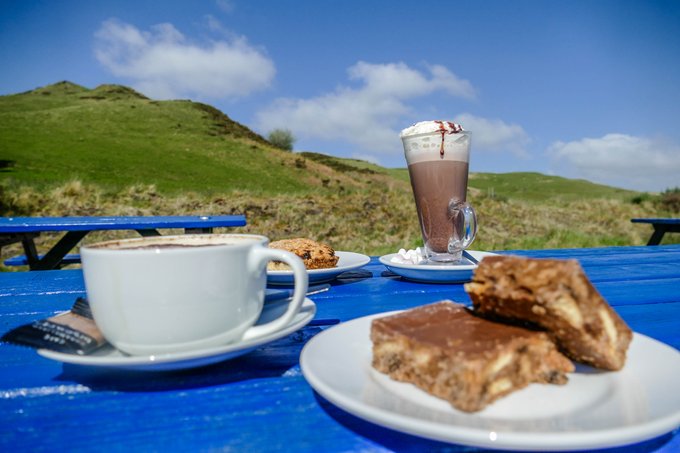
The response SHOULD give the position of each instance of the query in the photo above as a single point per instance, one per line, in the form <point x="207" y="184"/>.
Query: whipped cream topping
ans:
<point x="435" y="140"/>
<point x="428" y="127"/>
<point x="409" y="257"/>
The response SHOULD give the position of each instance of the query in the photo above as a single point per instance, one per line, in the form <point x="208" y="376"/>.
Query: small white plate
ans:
<point x="595" y="409"/>
<point x="347" y="261"/>
<point x="434" y="273"/>
<point x="109" y="357"/>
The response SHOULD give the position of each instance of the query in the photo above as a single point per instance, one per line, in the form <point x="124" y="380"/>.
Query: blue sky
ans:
<point x="582" y="89"/>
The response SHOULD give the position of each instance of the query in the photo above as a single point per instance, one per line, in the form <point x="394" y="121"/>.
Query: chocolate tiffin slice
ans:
<point x="469" y="361"/>
<point x="556" y="296"/>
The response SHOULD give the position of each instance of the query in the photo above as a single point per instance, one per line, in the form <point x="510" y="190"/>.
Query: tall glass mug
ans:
<point x="438" y="156"/>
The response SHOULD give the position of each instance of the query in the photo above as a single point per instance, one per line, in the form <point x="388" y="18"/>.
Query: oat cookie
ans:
<point x="315" y="255"/>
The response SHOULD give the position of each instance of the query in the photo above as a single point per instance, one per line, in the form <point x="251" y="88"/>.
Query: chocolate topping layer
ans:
<point x="450" y="353"/>
<point x="453" y="327"/>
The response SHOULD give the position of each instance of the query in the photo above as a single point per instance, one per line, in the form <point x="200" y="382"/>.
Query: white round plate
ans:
<point x="347" y="261"/>
<point x="434" y="273"/>
<point x="595" y="409"/>
<point x="109" y="357"/>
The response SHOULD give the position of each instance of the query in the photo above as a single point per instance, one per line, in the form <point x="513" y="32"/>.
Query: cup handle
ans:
<point x="259" y="258"/>
<point x="470" y="224"/>
<point x="466" y="219"/>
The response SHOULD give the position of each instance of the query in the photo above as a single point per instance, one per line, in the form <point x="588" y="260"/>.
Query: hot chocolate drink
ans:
<point x="439" y="188"/>
<point x="437" y="153"/>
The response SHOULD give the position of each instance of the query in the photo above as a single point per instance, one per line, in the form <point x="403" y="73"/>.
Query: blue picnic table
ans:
<point x="261" y="401"/>
<point x="661" y="227"/>
<point x="26" y="229"/>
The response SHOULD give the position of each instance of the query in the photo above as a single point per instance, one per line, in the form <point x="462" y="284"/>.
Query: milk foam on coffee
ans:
<point x="172" y="242"/>
<point x="435" y="140"/>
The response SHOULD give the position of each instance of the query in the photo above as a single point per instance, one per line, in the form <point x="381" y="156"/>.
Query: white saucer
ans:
<point x="109" y="357"/>
<point x="595" y="409"/>
<point x="348" y="261"/>
<point x="434" y="273"/>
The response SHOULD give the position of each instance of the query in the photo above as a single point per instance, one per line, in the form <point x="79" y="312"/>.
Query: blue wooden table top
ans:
<point x="261" y="401"/>
<point x="664" y="221"/>
<point x="41" y="224"/>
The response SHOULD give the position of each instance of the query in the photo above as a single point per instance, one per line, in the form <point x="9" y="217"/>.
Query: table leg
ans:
<point x="52" y="259"/>
<point x="659" y="231"/>
<point x="29" y="249"/>
<point x="11" y="238"/>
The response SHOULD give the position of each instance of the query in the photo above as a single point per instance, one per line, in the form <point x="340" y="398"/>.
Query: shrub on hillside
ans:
<point x="670" y="199"/>
<point x="282" y="138"/>
<point x="641" y="198"/>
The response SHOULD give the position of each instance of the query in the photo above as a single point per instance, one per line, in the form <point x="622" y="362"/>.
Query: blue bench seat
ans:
<point x="22" y="260"/>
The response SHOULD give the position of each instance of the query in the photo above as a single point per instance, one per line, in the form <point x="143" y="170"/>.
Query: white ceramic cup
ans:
<point x="166" y="294"/>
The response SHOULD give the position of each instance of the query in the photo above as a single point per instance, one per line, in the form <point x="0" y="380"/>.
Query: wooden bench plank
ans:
<point x="22" y="260"/>
<point x="25" y="229"/>
<point x="42" y="224"/>
<point x="250" y="403"/>
<point x="212" y="405"/>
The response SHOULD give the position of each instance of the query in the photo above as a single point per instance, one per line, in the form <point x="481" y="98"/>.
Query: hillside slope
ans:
<point x="116" y="137"/>
<point x="69" y="150"/>
<point x="524" y="186"/>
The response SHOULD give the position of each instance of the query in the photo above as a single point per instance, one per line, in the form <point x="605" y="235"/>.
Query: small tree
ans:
<point x="282" y="138"/>
<point x="670" y="199"/>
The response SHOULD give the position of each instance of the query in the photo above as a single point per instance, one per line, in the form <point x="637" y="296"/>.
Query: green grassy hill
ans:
<point x="69" y="150"/>
<point x="116" y="137"/>
<point x="525" y="186"/>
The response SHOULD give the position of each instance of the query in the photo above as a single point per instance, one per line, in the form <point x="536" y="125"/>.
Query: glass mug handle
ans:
<point x="465" y="218"/>
<point x="259" y="257"/>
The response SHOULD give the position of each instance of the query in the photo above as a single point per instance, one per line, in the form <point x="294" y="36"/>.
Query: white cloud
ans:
<point x="622" y="160"/>
<point x="226" y="6"/>
<point x="368" y="116"/>
<point x="495" y="134"/>
<point x="163" y="64"/>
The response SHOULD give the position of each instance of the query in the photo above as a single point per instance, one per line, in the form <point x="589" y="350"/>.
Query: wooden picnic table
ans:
<point x="26" y="229"/>
<point x="261" y="401"/>
<point x="661" y="227"/>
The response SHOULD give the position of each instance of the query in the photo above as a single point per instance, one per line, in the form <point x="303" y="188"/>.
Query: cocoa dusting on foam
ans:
<point x="165" y="246"/>
<point x="158" y="244"/>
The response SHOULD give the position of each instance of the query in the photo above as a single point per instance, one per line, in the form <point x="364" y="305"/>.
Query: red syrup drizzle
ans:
<point x="455" y="128"/>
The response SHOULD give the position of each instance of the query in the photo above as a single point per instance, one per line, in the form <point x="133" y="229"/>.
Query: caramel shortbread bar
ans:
<point x="469" y="361"/>
<point x="557" y="296"/>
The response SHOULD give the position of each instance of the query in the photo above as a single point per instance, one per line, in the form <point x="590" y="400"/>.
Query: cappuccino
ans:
<point x="171" y="242"/>
<point x="166" y="294"/>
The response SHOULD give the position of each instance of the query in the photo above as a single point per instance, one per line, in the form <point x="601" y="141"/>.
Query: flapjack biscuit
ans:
<point x="315" y="255"/>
